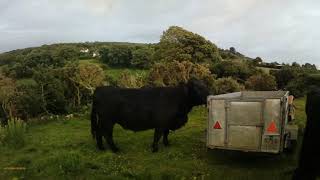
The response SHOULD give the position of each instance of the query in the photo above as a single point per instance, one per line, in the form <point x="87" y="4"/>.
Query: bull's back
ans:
<point x="138" y="109"/>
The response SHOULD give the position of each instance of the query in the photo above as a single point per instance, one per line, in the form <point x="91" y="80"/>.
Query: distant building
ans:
<point x="84" y="50"/>
<point x="95" y="54"/>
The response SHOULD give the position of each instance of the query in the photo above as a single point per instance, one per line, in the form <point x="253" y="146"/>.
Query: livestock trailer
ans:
<point x="250" y="121"/>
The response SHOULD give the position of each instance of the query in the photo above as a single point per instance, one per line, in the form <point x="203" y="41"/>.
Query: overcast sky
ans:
<point x="276" y="30"/>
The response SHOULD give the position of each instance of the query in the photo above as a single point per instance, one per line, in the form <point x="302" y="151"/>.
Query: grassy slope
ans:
<point x="115" y="72"/>
<point x="64" y="149"/>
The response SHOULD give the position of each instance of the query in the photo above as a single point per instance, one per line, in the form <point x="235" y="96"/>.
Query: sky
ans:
<point x="275" y="30"/>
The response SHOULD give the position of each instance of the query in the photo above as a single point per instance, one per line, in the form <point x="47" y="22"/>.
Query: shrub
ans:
<point x="13" y="134"/>
<point x="237" y="69"/>
<point x="261" y="82"/>
<point x="28" y="100"/>
<point x="127" y="80"/>
<point x="173" y="73"/>
<point x="227" y="85"/>
<point x="299" y="86"/>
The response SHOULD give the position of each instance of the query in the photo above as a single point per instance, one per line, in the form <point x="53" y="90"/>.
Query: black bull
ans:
<point x="308" y="167"/>
<point x="162" y="109"/>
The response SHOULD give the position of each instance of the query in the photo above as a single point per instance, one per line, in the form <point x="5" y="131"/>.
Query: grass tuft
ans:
<point x="13" y="134"/>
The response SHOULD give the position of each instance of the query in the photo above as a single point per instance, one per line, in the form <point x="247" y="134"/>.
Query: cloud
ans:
<point x="284" y="30"/>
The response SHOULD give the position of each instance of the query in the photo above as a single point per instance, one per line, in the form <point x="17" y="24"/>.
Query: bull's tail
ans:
<point x="94" y="121"/>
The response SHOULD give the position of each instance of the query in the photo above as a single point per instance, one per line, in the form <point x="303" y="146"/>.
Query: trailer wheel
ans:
<point x="290" y="144"/>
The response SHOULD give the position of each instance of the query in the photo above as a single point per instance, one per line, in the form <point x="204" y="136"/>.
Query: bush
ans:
<point x="13" y="134"/>
<point x="28" y="101"/>
<point x="127" y="80"/>
<point x="261" y="82"/>
<point x="299" y="86"/>
<point x="237" y="69"/>
<point x="173" y="73"/>
<point x="227" y="85"/>
<point x="285" y="75"/>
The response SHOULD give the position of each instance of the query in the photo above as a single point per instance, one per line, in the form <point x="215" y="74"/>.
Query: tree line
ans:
<point x="52" y="79"/>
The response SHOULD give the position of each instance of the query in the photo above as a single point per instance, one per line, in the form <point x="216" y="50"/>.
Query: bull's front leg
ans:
<point x="165" y="137"/>
<point x="157" y="135"/>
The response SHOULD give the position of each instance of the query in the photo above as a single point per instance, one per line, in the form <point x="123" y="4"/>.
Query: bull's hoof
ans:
<point x="155" y="149"/>
<point x="166" y="143"/>
<point x="101" y="148"/>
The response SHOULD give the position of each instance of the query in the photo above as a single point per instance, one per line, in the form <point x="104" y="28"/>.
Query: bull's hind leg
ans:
<point x="165" y="137"/>
<point x="109" y="138"/>
<point x="99" y="141"/>
<point x="156" y="138"/>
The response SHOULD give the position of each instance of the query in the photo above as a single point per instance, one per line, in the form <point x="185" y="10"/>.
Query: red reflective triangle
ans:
<point x="272" y="127"/>
<point x="217" y="125"/>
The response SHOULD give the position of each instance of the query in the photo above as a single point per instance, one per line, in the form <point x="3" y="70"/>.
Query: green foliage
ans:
<point x="51" y="90"/>
<point x="173" y="73"/>
<point x="25" y="63"/>
<point x="261" y="82"/>
<point x="7" y="92"/>
<point x="28" y="101"/>
<point x="127" y="80"/>
<point x="237" y="69"/>
<point x="81" y="80"/>
<point x="178" y="44"/>
<point x="117" y="56"/>
<point x="142" y="57"/>
<point x="257" y="61"/>
<point x="69" y="163"/>
<point x="231" y="54"/>
<point x="300" y="85"/>
<point x="227" y="85"/>
<point x="285" y="75"/>
<point x="13" y="134"/>
<point x="291" y="73"/>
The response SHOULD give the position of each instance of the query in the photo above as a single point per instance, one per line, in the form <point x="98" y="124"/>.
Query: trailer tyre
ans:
<point x="290" y="145"/>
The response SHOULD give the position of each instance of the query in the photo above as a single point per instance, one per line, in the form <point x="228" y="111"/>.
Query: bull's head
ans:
<point x="197" y="91"/>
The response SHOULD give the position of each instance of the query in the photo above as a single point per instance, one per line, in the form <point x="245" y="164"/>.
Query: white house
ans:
<point x="84" y="50"/>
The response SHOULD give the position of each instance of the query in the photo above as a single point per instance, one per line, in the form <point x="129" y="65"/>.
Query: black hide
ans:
<point x="162" y="109"/>
<point x="309" y="167"/>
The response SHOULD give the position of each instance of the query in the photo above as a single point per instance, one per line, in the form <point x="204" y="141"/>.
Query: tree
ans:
<point x="29" y="102"/>
<point x="52" y="90"/>
<point x="127" y="80"/>
<point x="285" y="75"/>
<point x="82" y="79"/>
<point x="312" y="68"/>
<point x="117" y="56"/>
<point x="261" y="82"/>
<point x="237" y="69"/>
<point x="173" y="73"/>
<point x="178" y="44"/>
<point x="233" y="50"/>
<point x="142" y="57"/>
<point x="7" y="92"/>
<point x="257" y="60"/>
<point x="227" y="85"/>
<point x="295" y="64"/>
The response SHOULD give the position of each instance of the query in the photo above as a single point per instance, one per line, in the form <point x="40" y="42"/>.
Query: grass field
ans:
<point x="116" y="72"/>
<point x="64" y="149"/>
